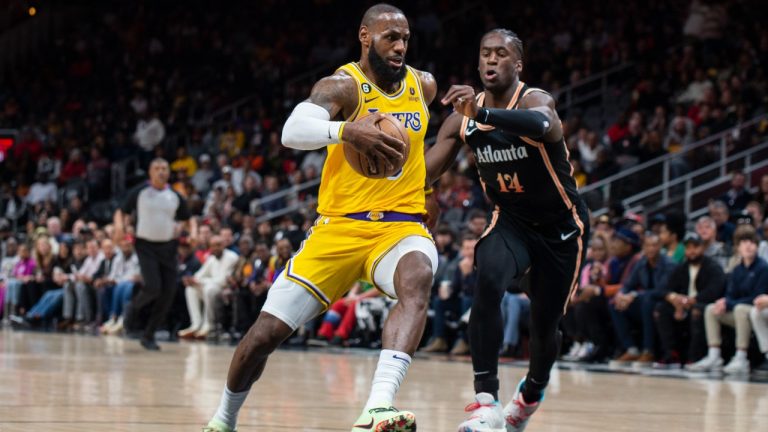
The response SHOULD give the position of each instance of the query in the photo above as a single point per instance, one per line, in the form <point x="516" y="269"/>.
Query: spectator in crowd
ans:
<point x="98" y="175"/>
<point x="23" y="272"/>
<point x="227" y="312"/>
<point x="737" y="197"/>
<point x="515" y="308"/>
<point x="68" y="311"/>
<point x="185" y="162"/>
<point x="671" y="233"/>
<point x="203" y="288"/>
<point x="706" y="228"/>
<point x="454" y="298"/>
<point x="149" y="133"/>
<point x="253" y="290"/>
<point x="476" y="222"/>
<point x="589" y="146"/>
<point x="103" y="285"/>
<point x="43" y="190"/>
<point x="591" y="280"/>
<point x="75" y="168"/>
<point x="203" y="175"/>
<point x="762" y="250"/>
<point x="720" y="213"/>
<point x="593" y="306"/>
<point x="80" y="296"/>
<point x="693" y="285"/>
<point x="202" y="248"/>
<point x="340" y="320"/>
<point x="50" y="303"/>
<point x="124" y="275"/>
<point x="754" y="211"/>
<point x="762" y="193"/>
<point x="45" y="262"/>
<point x="747" y="281"/>
<point x="636" y="301"/>
<point x="759" y="318"/>
<point x="8" y="262"/>
<point x="188" y="265"/>
<point x="277" y="262"/>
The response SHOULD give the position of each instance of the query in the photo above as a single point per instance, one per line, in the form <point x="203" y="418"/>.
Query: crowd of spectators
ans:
<point x="140" y="81"/>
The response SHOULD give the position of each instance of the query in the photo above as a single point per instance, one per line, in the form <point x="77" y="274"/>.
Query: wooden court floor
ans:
<point x="52" y="382"/>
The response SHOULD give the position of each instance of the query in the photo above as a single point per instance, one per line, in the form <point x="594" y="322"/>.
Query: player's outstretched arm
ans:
<point x="309" y="127"/>
<point x="442" y="155"/>
<point x="536" y="117"/>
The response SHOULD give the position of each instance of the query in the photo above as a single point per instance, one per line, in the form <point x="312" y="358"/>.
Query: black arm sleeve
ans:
<point x="522" y="122"/>
<point x="129" y="204"/>
<point x="182" y="212"/>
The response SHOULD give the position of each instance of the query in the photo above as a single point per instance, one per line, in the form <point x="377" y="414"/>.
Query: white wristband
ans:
<point x="309" y="128"/>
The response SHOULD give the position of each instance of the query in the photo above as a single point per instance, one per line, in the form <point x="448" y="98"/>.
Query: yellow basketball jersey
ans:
<point x="343" y="190"/>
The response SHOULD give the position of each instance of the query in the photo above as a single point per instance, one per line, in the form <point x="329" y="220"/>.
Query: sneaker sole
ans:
<point x="401" y="423"/>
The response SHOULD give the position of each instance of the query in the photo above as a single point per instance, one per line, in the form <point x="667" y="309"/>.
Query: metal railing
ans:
<point x="691" y="192"/>
<point x="605" y="188"/>
<point x="589" y="88"/>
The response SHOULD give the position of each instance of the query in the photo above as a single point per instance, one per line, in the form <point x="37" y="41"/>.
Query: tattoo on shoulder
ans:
<point x="336" y="93"/>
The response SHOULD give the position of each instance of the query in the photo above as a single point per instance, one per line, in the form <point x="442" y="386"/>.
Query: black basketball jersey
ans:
<point x="526" y="179"/>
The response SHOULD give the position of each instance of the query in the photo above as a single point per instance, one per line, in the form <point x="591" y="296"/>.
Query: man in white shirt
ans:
<point x="206" y="285"/>
<point x="43" y="190"/>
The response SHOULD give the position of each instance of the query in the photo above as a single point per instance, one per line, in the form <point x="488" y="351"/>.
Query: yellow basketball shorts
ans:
<point x="338" y="251"/>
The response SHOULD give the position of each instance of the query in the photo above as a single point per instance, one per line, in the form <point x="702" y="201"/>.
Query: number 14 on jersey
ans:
<point x="509" y="183"/>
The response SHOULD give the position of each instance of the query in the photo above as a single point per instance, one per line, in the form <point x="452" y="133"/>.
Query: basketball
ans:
<point x="375" y="168"/>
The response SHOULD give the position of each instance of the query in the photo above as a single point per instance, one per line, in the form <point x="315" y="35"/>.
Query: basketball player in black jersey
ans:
<point x="539" y="225"/>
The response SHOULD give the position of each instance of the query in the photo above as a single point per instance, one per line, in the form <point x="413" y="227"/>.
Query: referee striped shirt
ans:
<point x="157" y="211"/>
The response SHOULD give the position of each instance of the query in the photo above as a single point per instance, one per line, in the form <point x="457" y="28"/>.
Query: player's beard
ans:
<point x="383" y="70"/>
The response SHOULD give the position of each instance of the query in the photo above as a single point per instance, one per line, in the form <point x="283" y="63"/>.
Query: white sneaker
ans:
<point x="706" y="364"/>
<point x="485" y="415"/>
<point x="737" y="366"/>
<point x="573" y="353"/>
<point x="587" y="348"/>
<point x="518" y="412"/>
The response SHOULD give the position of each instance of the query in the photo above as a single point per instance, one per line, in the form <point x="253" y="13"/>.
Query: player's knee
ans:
<point x="261" y="341"/>
<point x="489" y="287"/>
<point x="415" y="286"/>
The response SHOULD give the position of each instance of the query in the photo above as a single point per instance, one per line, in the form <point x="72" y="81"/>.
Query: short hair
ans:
<point x="476" y="214"/>
<point x="707" y="220"/>
<point x="745" y="232"/>
<point x="158" y="161"/>
<point x="718" y="204"/>
<point x="374" y="11"/>
<point x="516" y="41"/>
<point x="468" y="236"/>
<point x="445" y="229"/>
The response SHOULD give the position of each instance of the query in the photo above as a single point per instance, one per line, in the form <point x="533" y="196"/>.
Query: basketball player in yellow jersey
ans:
<point x="368" y="229"/>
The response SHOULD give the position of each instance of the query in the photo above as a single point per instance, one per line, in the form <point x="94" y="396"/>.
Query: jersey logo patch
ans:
<point x="366" y="88"/>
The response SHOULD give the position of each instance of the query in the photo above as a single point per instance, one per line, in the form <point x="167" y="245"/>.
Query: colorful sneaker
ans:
<point x="217" y="426"/>
<point x="385" y="419"/>
<point x="518" y="412"/>
<point x="486" y="415"/>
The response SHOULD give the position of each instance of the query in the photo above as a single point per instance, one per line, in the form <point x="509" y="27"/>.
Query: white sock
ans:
<point x="741" y="355"/>
<point x="389" y="374"/>
<point x="714" y="352"/>
<point x="229" y="407"/>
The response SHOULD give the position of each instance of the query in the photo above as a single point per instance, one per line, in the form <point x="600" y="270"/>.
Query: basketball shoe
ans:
<point x="217" y="426"/>
<point x="518" y="412"/>
<point x="485" y="415"/>
<point x="385" y="419"/>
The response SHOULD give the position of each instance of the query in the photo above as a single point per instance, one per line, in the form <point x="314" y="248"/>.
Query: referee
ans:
<point x="158" y="208"/>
